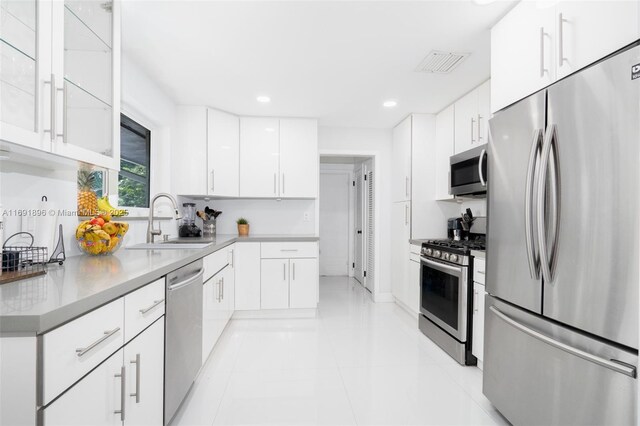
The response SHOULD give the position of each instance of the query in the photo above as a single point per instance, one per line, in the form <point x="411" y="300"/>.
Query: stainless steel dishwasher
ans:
<point x="183" y="334"/>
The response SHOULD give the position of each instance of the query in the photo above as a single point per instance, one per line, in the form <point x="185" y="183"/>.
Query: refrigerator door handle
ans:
<point x="614" y="365"/>
<point x="483" y="154"/>
<point x="548" y="251"/>
<point x="533" y="255"/>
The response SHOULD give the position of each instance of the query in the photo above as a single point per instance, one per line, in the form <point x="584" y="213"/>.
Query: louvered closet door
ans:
<point x="359" y="227"/>
<point x="370" y="227"/>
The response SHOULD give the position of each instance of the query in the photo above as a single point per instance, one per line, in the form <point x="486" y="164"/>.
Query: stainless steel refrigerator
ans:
<point x="561" y="324"/>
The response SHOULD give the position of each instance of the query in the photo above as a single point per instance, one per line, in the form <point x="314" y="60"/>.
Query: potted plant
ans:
<point x="243" y="227"/>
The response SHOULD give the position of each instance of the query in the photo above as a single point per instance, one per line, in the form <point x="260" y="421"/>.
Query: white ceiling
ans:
<point x="334" y="60"/>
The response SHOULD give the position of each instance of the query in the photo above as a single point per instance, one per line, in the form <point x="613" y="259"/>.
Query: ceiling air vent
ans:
<point x="441" y="62"/>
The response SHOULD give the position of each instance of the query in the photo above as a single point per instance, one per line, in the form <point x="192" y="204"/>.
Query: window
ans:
<point x="135" y="162"/>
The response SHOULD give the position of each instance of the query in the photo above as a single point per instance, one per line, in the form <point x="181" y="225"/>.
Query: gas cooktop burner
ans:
<point x="464" y="245"/>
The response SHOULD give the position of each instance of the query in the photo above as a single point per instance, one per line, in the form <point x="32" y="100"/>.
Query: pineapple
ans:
<point x="87" y="199"/>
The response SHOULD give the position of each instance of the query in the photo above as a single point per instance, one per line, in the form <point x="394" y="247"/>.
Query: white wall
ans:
<point x="22" y="186"/>
<point x="369" y="142"/>
<point x="266" y="217"/>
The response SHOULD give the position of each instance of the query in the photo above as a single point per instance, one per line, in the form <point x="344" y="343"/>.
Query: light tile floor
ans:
<point x="357" y="362"/>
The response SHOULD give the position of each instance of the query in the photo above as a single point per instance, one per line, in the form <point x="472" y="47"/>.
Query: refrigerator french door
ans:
<point x="561" y="327"/>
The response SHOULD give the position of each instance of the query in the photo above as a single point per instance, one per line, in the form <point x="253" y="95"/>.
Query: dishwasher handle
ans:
<point x="187" y="281"/>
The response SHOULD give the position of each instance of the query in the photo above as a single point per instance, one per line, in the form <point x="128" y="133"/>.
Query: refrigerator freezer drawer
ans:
<point x="537" y="372"/>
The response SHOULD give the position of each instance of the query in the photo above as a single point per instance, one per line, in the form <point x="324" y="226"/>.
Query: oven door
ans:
<point x="444" y="296"/>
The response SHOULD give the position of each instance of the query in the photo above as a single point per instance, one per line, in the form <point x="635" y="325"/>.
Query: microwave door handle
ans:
<point x="529" y="205"/>
<point x="545" y="258"/>
<point x="483" y="154"/>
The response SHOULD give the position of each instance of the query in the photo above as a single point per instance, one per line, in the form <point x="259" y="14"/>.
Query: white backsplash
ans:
<point x="478" y="207"/>
<point x="265" y="217"/>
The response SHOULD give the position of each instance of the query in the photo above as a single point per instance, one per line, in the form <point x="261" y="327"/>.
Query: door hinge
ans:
<point x="365" y="177"/>
<point x="353" y="265"/>
<point x="365" y="273"/>
<point x="354" y="183"/>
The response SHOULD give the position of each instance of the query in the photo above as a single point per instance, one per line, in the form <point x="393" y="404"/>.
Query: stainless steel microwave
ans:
<point x="468" y="172"/>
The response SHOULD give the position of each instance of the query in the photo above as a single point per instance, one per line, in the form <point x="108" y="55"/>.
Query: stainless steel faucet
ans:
<point x="151" y="232"/>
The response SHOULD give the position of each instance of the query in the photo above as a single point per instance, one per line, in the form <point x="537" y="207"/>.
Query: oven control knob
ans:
<point x="445" y="256"/>
<point x="428" y="252"/>
<point x="436" y="253"/>
<point x="453" y="258"/>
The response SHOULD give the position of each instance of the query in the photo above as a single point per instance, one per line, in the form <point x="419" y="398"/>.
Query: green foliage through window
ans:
<point x="135" y="163"/>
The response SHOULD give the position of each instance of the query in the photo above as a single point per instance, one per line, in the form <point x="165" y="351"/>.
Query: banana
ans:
<point x="102" y="235"/>
<point x="105" y="206"/>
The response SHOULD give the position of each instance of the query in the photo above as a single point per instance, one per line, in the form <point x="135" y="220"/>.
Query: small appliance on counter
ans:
<point x="446" y="287"/>
<point x="188" y="228"/>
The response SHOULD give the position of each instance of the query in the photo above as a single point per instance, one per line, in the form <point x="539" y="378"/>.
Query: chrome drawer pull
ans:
<point x="80" y="352"/>
<point x="137" y="393"/>
<point x="155" y="303"/>
<point x="288" y="249"/>
<point x="123" y="389"/>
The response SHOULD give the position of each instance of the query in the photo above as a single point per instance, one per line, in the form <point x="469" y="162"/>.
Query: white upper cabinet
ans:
<point x="535" y="44"/>
<point x="188" y="161"/>
<point x="298" y="158"/>
<point x="472" y="113"/>
<point x="278" y="158"/>
<point x="590" y="30"/>
<point x="223" y="154"/>
<point x="443" y="150"/>
<point x="259" y="157"/>
<point x="521" y="53"/>
<point x="63" y="96"/>
<point x="401" y="161"/>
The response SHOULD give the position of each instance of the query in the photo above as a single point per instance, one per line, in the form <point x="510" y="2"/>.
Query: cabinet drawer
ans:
<point x="142" y="308"/>
<point x="289" y="250"/>
<point x="70" y="351"/>
<point x="214" y="262"/>
<point x="478" y="270"/>
<point x="415" y="249"/>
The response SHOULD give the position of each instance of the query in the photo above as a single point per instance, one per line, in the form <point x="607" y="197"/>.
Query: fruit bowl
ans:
<point x="100" y="236"/>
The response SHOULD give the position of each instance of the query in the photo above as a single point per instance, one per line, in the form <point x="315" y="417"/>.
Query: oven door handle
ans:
<point x="441" y="266"/>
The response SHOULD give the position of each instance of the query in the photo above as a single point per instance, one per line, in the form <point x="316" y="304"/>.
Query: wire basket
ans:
<point x="20" y="262"/>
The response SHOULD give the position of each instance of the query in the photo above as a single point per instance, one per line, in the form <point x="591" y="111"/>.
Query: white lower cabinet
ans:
<point x="274" y="277"/>
<point x="144" y="366"/>
<point x="127" y="388"/>
<point x="477" y="342"/>
<point x="400" y="235"/>
<point x="303" y="283"/>
<point x="217" y="307"/>
<point x="414" y="283"/>
<point x="247" y="276"/>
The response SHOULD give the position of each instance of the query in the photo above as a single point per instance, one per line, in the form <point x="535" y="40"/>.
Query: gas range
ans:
<point x="451" y="250"/>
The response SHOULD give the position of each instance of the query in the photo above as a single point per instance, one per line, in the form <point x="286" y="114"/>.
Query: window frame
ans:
<point x="128" y="174"/>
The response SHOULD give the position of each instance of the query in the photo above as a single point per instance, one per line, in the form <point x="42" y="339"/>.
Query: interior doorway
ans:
<point x="346" y="218"/>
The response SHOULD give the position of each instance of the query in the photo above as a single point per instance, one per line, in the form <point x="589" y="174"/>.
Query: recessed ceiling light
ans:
<point x="263" y="99"/>
<point x="390" y="103"/>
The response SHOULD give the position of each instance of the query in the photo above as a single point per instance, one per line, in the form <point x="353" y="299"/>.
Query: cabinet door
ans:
<point x="590" y="30"/>
<point x="223" y="154"/>
<point x="188" y="162"/>
<point x="443" y="151"/>
<point x="466" y="122"/>
<point x="400" y="235"/>
<point x="299" y="158"/>
<point x="213" y="313"/>
<point x="25" y="73"/>
<point x="274" y="287"/>
<point x="228" y="294"/>
<point x="522" y="56"/>
<point x="414" y="286"/>
<point x="86" y="64"/>
<point x="484" y="111"/>
<point x="259" y="157"/>
<point x="303" y="285"/>
<point x="95" y="400"/>
<point x="246" y="260"/>
<point x="477" y="346"/>
<point x="144" y="363"/>
<point x="401" y="162"/>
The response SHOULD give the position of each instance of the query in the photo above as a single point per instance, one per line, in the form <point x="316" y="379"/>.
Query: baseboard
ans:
<point x="383" y="298"/>
<point x="407" y="309"/>
<point x="275" y="314"/>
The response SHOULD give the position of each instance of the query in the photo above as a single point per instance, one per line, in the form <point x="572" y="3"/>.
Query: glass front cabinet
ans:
<point x="60" y="78"/>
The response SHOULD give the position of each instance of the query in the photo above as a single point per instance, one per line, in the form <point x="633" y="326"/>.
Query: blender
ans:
<point x="188" y="227"/>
